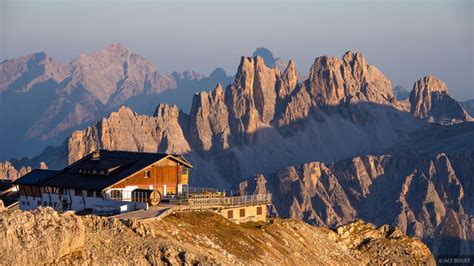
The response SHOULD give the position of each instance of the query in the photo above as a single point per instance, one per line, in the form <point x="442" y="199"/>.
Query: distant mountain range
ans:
<point x="469" y="106"/>
<point x="336" y="146"/>
<point x="42" y="100"/>
<point x="401" y="92"/>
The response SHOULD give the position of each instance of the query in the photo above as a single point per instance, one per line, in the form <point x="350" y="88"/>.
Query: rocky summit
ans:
<point x="429" y="100"/>
<point x="46" y="237"/>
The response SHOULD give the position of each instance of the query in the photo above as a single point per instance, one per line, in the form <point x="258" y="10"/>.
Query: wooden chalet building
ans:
<point x="106" y="182"/>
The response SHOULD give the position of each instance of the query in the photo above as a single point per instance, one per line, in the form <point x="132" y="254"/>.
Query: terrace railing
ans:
<point x="126" y="195"/>
<point x="233" y="201"/>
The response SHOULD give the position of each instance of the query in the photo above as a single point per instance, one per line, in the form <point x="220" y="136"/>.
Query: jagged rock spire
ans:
<point x="429" y="100"/>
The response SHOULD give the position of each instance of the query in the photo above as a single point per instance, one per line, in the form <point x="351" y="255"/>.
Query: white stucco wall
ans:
<point x="74" y="202"/>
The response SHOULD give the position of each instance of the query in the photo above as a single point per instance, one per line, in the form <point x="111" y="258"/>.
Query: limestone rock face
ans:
<point x="426" y="194"/>
<point x="97" y="83"/>
<point x="126" y="130"/>
<point x="209" y="121"/>
<point x="251" y="99"/>
<point x="23" y="73"/>
<point x="332" y="82"/>
<point x="39" y="237"/>
<point x="116" y="74"/>
<point x="385" y="241"/>
<point x="429" y="100"/>
<point x="9" y="172"/>
<point x="351" y="77"/>
<point x="289" y="81"/>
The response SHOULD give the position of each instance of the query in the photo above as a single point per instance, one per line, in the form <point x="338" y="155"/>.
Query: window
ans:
<point x="52" y="190"/>
<point x="147" y="174"/>
<point x="36" y="191"/>
<point x="230" y="214"/>
<point x="116" y="195"/>
<point x="45" y="203"/>
<point x="242" y="212"/>
<point x="259" y="210"/>
<point x="27" y="190"/>
<point x="78" y="192"/>
<point x="90" y="193"/>
<point x="21" y="190"/>
<point x="98" y="194"/>
<point x="39" y="202"/>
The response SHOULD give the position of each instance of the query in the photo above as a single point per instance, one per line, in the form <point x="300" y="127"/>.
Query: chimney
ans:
<point x="96" y="155"/>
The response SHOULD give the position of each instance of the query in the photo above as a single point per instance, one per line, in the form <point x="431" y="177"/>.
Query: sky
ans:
<point x="406" y="40"/>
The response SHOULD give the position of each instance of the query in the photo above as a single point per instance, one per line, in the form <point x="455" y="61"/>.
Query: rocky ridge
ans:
<point x="44" y="236"/>
<point x="268" y="115"/>
<point x="9" y="172"/>
<point x="57" y="98"/>
<point x="425" y="193"/>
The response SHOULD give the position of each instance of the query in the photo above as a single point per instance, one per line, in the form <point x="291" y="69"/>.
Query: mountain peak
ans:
<point x="37" y="56"/>
<point x="429" y="100"/>
<point x="431" y="83"/>
<point x="400" y="92"/>
<point x="218" y="73"/>
<point x="291" y="67"/>
<point x="266" y="55"/>
<point x="290" y="75"/>
<point x="350" y="56"/>
<point x="116" y="47"/>
<point x="349" y="78"/>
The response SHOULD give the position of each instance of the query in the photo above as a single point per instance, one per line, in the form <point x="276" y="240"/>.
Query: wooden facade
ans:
<point x="165" y="173"/>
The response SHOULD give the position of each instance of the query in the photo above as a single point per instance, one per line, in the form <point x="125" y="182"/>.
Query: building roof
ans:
<point x="5" y="184"/>
<point x="111" y="167"/>
<point x="35" y="177"/>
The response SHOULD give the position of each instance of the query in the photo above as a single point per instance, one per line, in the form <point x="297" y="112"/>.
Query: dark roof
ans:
<point x="109" y="169"/>
<point x="35" y="177"/>
<point x="5" y="184"/>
